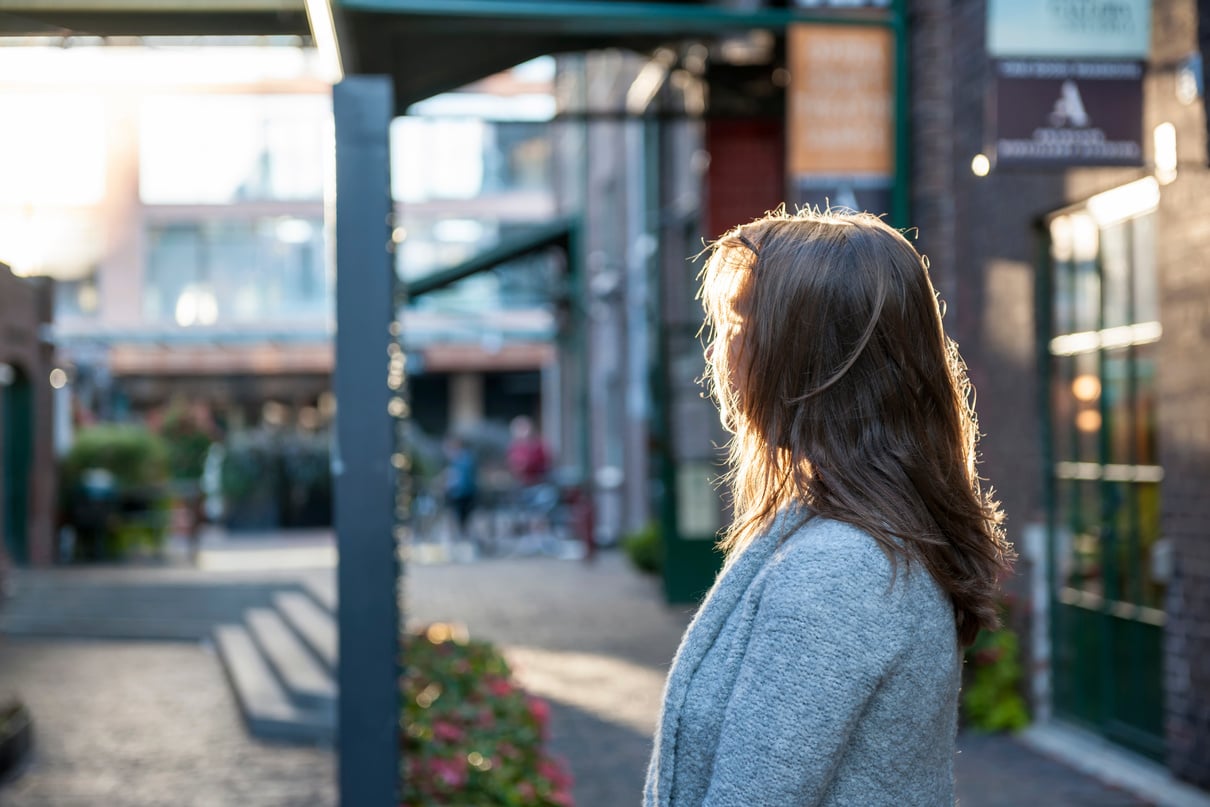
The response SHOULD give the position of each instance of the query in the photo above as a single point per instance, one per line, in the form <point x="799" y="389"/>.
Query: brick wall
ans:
<point x="982" y="237"/>
<point x="746" y="176"/>
<point x="1184" y="401"/>
<point x="979" y="236"/>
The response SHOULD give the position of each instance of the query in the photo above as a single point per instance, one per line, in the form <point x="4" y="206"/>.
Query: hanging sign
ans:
<point x="840" y="116"/>
<point x="1069" y="29"/>
<point x="1068" y="113"/>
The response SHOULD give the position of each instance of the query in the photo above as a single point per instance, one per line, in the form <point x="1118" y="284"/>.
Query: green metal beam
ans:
<point x="609" y="19"/>
<point x="549" y="235"/>
<point x="901" y="197"/>
<point x="152" y="17"/>
<point x="160" y="6"/>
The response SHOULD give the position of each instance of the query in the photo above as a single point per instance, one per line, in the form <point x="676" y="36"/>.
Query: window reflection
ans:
<point x="52" y="148"/>
<point x="458" y="158"/>
<point x="1103" y="409"/>
<point x="200" y="273"/>
<point x="219" y="149"/>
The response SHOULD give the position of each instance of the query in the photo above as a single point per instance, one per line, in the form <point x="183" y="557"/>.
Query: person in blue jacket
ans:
<point x="824" y="665"/>
<point x="461" y="484"/>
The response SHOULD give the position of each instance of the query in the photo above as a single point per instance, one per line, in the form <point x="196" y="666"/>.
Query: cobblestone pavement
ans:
<point x="597" y="640"/>
<point x="996" y="771"/>
<point x="146" y="724"/>
<point x="135" y="724"/>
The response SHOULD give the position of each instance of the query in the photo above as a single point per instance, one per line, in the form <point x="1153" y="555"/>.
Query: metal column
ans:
<point x="368" y="575"/>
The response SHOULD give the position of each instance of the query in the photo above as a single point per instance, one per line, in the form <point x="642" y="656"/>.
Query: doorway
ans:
<point x="17" y="421"/>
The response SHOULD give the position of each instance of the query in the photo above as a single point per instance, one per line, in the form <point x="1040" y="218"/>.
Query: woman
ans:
<point x="823" y="667"/>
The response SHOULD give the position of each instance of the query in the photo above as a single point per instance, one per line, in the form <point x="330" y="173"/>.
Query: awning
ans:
<point x="412" y="41"/>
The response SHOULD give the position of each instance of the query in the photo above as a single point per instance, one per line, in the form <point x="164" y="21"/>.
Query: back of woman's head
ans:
<point x="842" y="392"/>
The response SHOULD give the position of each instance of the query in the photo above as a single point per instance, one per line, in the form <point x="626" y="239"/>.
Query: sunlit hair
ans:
<point x="842" y="393"/>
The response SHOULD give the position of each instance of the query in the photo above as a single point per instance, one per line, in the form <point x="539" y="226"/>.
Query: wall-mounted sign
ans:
<point x="1069" y="29"/>
<point x="1068" y="113"/>
<point x="840" y="114"/>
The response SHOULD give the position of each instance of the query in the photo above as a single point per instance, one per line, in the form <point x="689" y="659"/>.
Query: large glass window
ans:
<point x="219" y="149"/>
<point x="461" y="158"/>
<point x="1102" y="359"/>
<point x="248" y="270"/>
<point x="1111" y="565"/>
<point x="52" y="148"/>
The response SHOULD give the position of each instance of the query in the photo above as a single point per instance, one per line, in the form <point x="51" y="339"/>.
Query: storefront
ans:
<point x="1062" y="201"/>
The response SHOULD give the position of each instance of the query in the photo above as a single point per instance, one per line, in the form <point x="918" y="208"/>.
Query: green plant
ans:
<point x="645" y="548"/>
<point x="276" y="479"/>
<point x="187" y="435"/>
<point x="991" y="697"/>
<point x="132" y="454"/>
<point x="114" y="490"/>
<point x="472" y="737"/>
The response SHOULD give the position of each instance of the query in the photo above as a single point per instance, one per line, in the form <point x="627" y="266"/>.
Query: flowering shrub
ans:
<point x="472" y="737"/>
<point x="991" y="694"/>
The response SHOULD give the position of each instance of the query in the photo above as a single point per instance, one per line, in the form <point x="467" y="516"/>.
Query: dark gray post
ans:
<point x="368" y="575"/>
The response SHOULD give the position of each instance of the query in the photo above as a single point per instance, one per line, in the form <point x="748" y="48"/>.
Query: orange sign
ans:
<point x="840" y="101"/>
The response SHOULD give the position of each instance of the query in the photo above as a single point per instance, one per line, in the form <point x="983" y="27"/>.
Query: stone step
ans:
<point x="101" y="626"/>
<point x="323" y="591"/>
<point x="267" y="709"/>
<point x="314" y="624"/>
<point x="307" y="683"/>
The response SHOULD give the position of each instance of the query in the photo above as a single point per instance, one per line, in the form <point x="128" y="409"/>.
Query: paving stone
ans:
<point x="127" y="724"/>
<point x="130" y="724"/>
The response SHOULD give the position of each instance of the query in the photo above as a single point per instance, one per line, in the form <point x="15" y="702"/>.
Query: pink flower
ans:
<point x="562" y="798"/>
<point x="555" y="772"/>
<point x="485" y="719"/>
<point x="540" y="711"/>
<point x="499" y="687"/>
<point x="527" y="792"/>
<point x="450" y="772"/>
<point x="446" y="732"/>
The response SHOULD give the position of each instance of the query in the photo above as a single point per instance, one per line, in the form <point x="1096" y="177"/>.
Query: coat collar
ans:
<point x="728" y="590"/>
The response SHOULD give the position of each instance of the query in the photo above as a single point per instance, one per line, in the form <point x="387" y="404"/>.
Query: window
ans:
<point x="200" y="273"/>
<point x="1103" y="406"/>
<point x="219" y="149"/>
<point x="52" y="149"/>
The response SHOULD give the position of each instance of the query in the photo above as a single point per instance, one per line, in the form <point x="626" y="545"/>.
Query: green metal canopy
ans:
<point x="425" y="46"/>
<point x="153" y="18"/>
<point x="413" y="41"/>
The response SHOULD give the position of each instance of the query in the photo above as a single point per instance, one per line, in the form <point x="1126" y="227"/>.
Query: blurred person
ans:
<point x="461" y="484"/>
<point x="823" y="667"/>
<point x="535" y="497"/>
<point x="528" y="459"/>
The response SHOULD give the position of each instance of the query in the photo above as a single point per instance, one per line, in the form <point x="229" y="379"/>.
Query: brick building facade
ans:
<point x="993" y="259"/>
<point x="1105" y="506"/>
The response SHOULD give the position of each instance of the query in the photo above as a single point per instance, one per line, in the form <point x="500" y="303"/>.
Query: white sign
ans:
<point x="697" y="502"/>
<point x="1069" y="29"/>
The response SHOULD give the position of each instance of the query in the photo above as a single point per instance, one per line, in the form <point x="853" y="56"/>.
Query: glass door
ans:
<point x="1109" y="561"/>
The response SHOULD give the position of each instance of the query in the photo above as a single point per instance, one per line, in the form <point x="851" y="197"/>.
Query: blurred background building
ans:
<point x="542" y="218"/>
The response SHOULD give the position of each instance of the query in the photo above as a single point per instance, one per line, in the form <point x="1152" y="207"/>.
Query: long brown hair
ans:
<point x="842" y="393"/>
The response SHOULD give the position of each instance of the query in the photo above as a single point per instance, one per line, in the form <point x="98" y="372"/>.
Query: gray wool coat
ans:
<point x="807" y="678"/>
